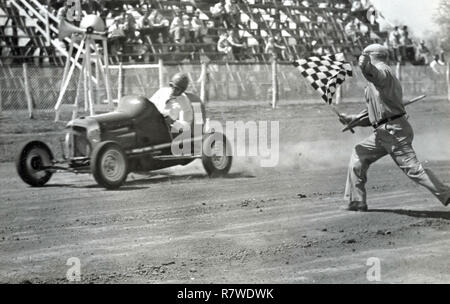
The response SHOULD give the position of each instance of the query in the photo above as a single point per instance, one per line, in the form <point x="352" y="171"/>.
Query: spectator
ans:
<point x="218" y="13"/>
<point x="91" y="7"/>
<point x="160" y="23"/>
<point x="394" y="42"/>
<point x="233" y="14"/>
<point x="116" y="29"/>
<point x="422" y="53"/>
<point x="269" y="50"/>
<point x="116" y="36"/>
<point x="237" y="45"/>
<point x="275" y="49"/>
<point x="158" y="20"/>
<point x="352" y="30"/>
<point x="223" y="46"/>
<point x="186" y="28"/>
<point x="405" y="42"/>
<point x="403" y="35"/>
<point x="154" y="24"/>
<point x="357" y="6"/>
<point x="62" y="13"/>
<point x="191" y="2"/>
<point x="197" y="28"/>
<point x="306" y="3"/>
<point x="145" y="29"/>
<point x="145" y="4"/>
<point x="144" y="22"/>
<point x="103" y="11"/>
<point x="176" y="28"/>
<point x="437" y="64"/>
<point x="129" y="26"/>
<point x="288" y="3"/>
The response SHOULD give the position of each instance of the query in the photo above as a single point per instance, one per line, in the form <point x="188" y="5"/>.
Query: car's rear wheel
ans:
<point x="109" y="165"/>
<point x="32" y="161"/>
<point x="216" y="156"/>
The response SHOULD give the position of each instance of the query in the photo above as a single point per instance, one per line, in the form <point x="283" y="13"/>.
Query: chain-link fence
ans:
<point x="224" y="82"/>
<point x="253" y="82"/>
<point x="43" y="85"/>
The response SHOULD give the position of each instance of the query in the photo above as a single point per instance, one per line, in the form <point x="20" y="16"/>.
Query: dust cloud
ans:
<point x="310" y="155"/>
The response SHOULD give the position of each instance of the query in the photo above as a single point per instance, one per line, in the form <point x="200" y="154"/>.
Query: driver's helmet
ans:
<point x="180" y="80"/>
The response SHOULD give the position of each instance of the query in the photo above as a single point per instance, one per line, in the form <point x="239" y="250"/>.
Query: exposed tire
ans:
<point x="32" y="158"/>
<point x="109" y="165"/>
<point x="216" y="156"/>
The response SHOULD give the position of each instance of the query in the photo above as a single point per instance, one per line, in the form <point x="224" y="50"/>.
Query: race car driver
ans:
<point x="174" y="104"/>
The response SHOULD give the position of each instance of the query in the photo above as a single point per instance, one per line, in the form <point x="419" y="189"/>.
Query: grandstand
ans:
<point x="28" y="30"/>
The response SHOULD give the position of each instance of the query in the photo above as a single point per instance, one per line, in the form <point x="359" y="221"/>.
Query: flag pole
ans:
<point x="365" y="113"/>
<point x="333" y="108"/>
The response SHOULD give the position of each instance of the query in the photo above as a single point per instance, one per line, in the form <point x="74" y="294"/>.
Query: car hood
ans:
<point x="129" y="107"/>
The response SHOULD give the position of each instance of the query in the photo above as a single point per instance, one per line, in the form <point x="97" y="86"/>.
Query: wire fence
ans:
<point x="44" y="87"/>
<point x="224" y="82"/>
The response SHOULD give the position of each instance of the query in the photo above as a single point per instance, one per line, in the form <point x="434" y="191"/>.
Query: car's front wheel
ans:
<point x="109" y="165"/>
<point x="216" y="158"/>
<point x="32" y="161"/>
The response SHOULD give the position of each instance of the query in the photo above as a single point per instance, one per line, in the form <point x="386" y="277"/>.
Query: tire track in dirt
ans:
<point x="274" y="225"/>
<point x="231" y="230"/>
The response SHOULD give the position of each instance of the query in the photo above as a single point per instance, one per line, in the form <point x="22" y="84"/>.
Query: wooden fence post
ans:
<point x="339" y="94"/>
<point x="89" y="75"/>
<point x="120" y="82"/>
<point x="204" y="82"/>
<point x="27" y="92"/>
<point x="106" y="72"/>
<point x="97" y="76"/>
<point x="1" y="98"/>
<point x="161" y="72"/>
<point x="398" y="71"/>
<point x="448" y="81"/>
<point x="274" y="83"/>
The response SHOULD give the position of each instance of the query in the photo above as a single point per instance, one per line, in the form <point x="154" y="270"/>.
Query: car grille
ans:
<point x="81" y="146"/>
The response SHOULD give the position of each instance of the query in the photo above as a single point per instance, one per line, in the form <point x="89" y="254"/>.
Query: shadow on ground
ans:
<point x="416" y="213"/>
<point x="138" y="183"/>
<point x="161" y="178"/>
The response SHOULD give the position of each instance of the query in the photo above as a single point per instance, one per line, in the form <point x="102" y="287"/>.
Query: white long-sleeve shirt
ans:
<point x="436" y="66"/>
<point x="178" y="108"/>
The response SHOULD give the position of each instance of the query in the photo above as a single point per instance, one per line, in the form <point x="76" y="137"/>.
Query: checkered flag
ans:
<point x="325" y="73"/>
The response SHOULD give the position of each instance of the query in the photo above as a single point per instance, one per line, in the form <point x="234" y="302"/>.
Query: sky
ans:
<point x="417" y="14"/>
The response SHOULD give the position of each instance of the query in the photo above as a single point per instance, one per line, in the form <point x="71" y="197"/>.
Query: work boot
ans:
<point x="356" y="206"/>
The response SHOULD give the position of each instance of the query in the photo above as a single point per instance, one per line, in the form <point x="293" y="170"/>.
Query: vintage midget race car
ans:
<point x="133" y="138"/>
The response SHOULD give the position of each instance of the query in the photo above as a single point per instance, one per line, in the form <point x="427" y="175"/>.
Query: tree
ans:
<point x="442" y="18"/>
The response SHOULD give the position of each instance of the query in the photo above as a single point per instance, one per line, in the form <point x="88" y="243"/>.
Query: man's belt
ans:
<point x="386" y="120"/>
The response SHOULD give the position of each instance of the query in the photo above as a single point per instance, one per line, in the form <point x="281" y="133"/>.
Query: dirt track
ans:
<point x="275" y="225"/>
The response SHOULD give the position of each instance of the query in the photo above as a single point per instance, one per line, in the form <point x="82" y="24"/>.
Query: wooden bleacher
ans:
<point x="303" y="29"/>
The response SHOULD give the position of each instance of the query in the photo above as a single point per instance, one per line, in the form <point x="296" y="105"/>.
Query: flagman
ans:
<point x="392" y="135"/>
